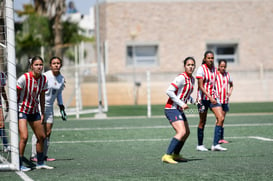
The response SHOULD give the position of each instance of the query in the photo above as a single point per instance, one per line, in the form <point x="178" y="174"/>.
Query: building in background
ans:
<point x="86" y="22"/>
<point x="139" y="36"/>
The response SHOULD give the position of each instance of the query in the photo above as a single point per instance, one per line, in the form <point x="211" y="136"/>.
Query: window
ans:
<point x="141" y="55"/>
<point x="228" y="52"/>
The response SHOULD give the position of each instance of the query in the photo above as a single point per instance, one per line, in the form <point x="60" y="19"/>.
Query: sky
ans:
<point x="81" y="5"/>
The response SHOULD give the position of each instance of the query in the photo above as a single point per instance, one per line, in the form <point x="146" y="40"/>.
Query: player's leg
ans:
<point x="225" y="108"/>
<point x="2" y="132"/>
<point x="23" y="136"/>
<point x="173" y="116"/>
<point x="218" y="112"/>
<point x="33" y="149"/>
<point x="4" y="139"/>
<point x="48" y="118"/>
<point x="182" y="132"/>
<point x="48" y="131"/>
<point x="203" y="110"/>
<point x="39" y="131"/>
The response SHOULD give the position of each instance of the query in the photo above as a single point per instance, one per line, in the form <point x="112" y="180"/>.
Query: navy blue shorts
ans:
<point x="225" y="107"/>
<point x="175" y="115"/>
<point x="29" y="117"/>
<point x="205" y="105"/>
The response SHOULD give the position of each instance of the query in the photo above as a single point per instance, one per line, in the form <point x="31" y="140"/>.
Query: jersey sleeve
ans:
<point x="230" y="79"/>
<point x="21" y="82"/>
<point x="45" y="88"/>
<point x="59" y="96"/>
<point x="200" y="73"/>
<point x="178" y="82"/>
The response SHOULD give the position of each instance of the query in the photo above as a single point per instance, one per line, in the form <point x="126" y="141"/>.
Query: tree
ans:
<point x="53" y="9"/>
<point x="43" y="27"/>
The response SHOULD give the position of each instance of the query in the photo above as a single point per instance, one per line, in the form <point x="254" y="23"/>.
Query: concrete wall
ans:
<point x="183" y="28"/>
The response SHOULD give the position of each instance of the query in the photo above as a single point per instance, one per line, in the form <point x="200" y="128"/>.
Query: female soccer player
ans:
<point x="179" y="92"/>
<point x="55" y="81"/>
<point x="224" y="87"/>
<point x="207" y="98"/>
<point x="31" y="87"/>
<point x="2" y="121"/>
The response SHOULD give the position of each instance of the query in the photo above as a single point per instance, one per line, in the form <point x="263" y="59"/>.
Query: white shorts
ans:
<point x="49" y="115"/>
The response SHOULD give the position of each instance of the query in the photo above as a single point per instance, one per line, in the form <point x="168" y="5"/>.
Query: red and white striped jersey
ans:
<point x="222" y="86"/>
<point x="209" y="80"/>
<point x="31" y="89"/>
<point x="183" y="87"/>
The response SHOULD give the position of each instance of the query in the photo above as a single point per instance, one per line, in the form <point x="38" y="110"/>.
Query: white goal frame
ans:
<point x="13" y="162"/>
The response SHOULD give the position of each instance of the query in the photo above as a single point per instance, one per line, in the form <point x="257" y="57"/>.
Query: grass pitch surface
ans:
<point x="130" y="148"/>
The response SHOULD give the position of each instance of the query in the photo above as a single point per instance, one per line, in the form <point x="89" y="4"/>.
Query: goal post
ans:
<point x="10" y="161"/>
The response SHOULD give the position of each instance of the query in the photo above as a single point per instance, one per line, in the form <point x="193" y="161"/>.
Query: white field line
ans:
<point x="24" y="176"/>
<point x="149" y="140"/>
<point x="261" y="138"/>
<point x="189" y="114"/>
<point x="149" y="127"/>
<point x="153" y="127"/>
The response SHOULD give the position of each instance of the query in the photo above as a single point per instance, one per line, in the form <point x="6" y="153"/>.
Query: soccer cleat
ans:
<point x="179" y="158"/>
<point x="168" y="159"/>
<point x="223" y="141"/>
<point x="33" y="159"/>
<point x="201" y="148"/>
<point x="7" y="149"/>
<point x="218" y="148"/>
<point x="43" y="166"/>
<point x="24" y="169"/>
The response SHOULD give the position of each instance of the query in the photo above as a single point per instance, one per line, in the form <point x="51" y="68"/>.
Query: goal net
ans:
<point x="9" y="157"/>
<point x="82" y="89"/>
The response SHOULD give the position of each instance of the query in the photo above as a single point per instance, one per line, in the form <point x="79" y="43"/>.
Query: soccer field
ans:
<point x="130" y="148"/>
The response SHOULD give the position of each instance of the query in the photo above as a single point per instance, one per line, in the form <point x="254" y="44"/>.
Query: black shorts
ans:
<point x="225" y="107"/>
<point x="175" y="115"/>
<point x="29" y="117"/>
<point x="205" y="104"/>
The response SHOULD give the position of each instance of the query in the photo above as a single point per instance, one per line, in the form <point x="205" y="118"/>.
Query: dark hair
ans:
<point x="222" y="60"/>
<point x="188" y="58"/>
<point x="33" y="59"/>
<point x="55" y="57"/>
<point x="205" y="55"/>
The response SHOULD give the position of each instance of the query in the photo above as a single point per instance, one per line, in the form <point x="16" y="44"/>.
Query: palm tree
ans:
<point x="53" y="9"/>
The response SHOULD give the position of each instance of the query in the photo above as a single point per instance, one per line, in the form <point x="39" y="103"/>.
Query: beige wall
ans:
<point x="182" y="28"/>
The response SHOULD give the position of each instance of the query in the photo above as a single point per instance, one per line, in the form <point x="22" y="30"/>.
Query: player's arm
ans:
<point x="230" y="89"/>
<point x="171" y="93"/>
<point x="61" y="106"/>
<point x="18" y="94"/>
<point x="201" y="87"/>
<point x="4" y="95"/>
<point x="42" y="105"/>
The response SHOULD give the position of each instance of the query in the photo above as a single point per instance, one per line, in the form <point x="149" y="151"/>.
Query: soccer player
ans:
<point x="55" y="81"/>
<point x="207" y="98"/>
<point x="224" y="87"/>
<point x="179" y="93"/>
<point x="3" y="135"/>
<point x="31" y="87"/>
